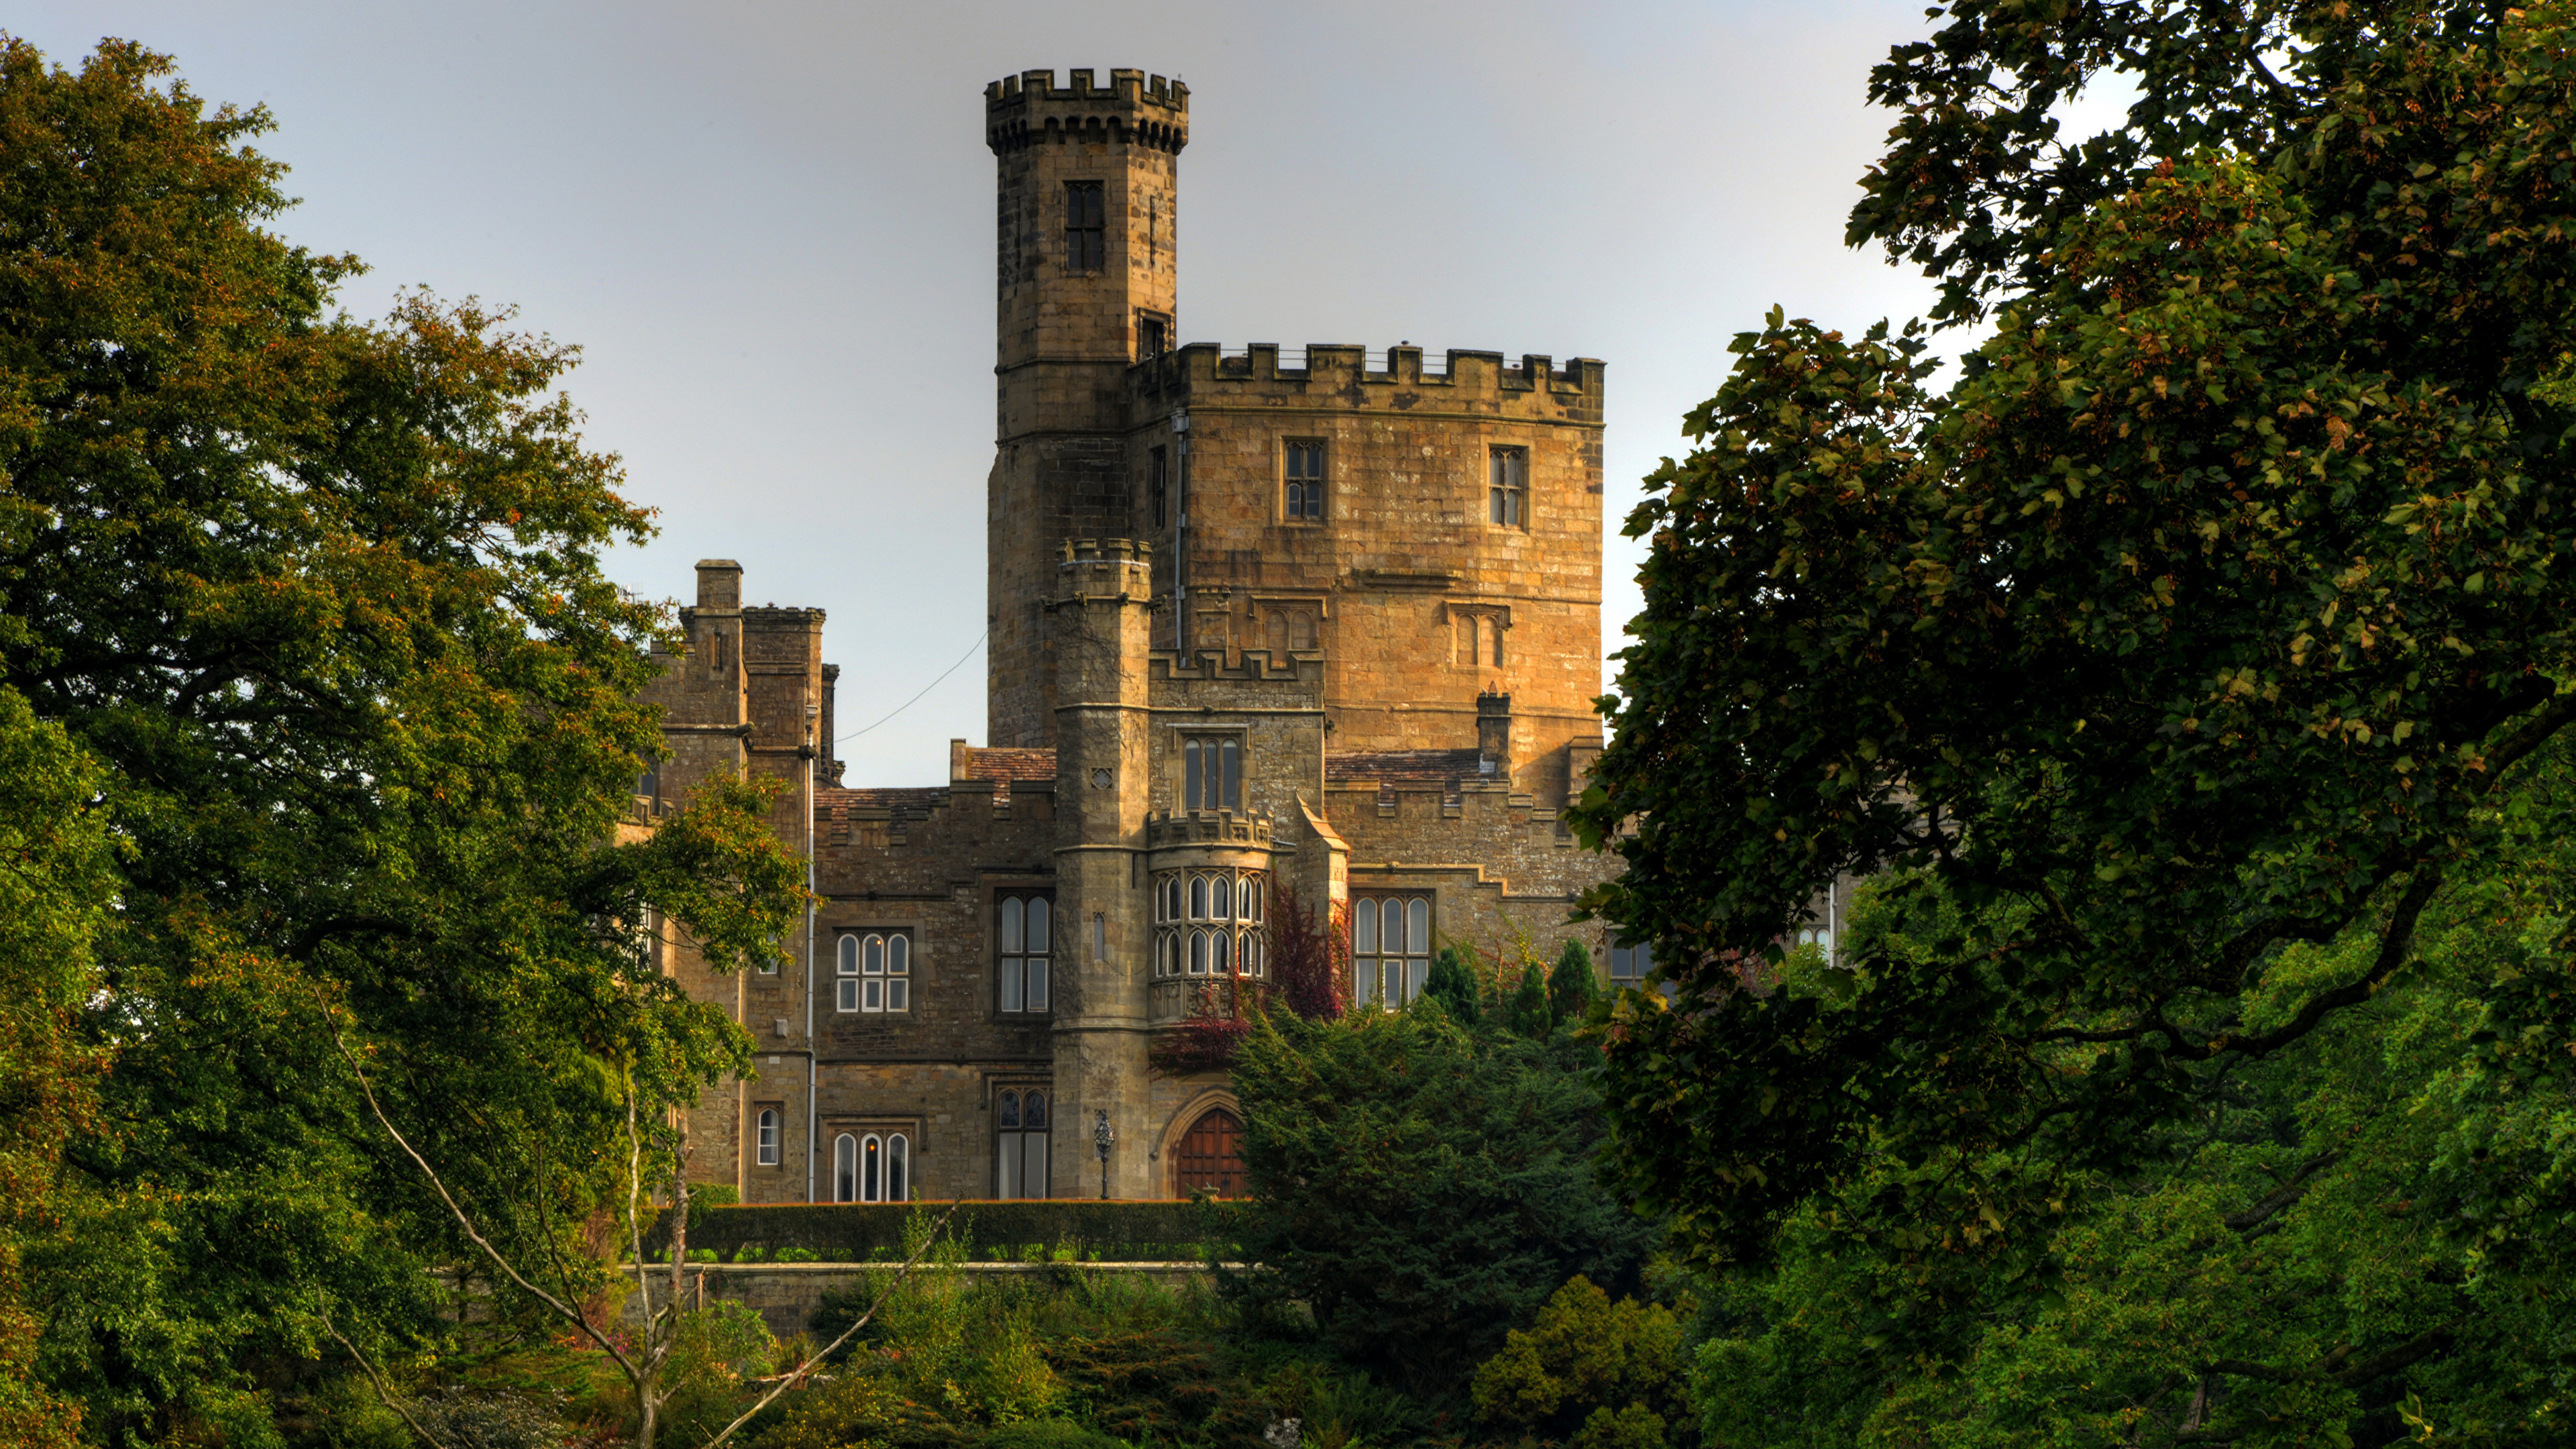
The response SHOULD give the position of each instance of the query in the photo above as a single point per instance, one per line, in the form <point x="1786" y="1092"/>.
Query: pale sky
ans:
<point x="770" y="228"/>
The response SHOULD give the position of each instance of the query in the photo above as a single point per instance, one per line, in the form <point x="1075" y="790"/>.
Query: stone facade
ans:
<point x="1353" y="605"/>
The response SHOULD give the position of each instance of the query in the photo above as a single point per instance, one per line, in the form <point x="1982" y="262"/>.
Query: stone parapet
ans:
<point x="1207" y="827"/>
<point x="1203" y="375"/>
<point x="1135" y="109"/>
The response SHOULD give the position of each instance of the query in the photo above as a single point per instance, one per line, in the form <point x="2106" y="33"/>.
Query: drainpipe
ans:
<point x="1181" y="536"/>
<point x="813" y="754"/>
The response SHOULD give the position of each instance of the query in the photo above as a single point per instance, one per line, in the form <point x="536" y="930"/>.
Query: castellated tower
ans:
<point x="1084" y="278"/>
<point x="1429" y="528"/>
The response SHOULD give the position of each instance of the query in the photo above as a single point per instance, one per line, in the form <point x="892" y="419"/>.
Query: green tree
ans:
<point x="56" y="887"/>
<point x="1422" y="1187"/>
<point x="1584" y="1358"/>
<point x="1571" y="987"/>
<point x="1531" y="1015"/>
<point x="322" y="601"/>
<point x="2178" y="662"/>
<point x="1452" y="983"/>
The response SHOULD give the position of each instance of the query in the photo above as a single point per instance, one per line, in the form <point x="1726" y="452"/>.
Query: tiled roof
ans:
<point x="1002" y="764"/>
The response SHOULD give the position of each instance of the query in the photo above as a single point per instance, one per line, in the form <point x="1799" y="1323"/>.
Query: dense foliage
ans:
<point x="312" y="615"/>
<point x="1420" y="1186"/>
<point x="2192" y="666"/>
<point x="1587" y="1371"/>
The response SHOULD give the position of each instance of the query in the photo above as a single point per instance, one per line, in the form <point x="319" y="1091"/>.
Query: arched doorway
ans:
<point x="1210" y="1156"/>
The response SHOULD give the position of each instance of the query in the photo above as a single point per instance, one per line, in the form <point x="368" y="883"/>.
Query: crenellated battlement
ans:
<point x="1203" y="370"/>
<point x="1134" y="109"/>
<point x="1207" y="827"/>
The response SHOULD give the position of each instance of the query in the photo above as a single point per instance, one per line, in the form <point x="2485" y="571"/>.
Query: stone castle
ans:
<point x="1257" y="628"/>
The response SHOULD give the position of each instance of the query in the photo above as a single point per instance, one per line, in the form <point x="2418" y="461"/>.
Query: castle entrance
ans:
<point x="1211" y="1155"/>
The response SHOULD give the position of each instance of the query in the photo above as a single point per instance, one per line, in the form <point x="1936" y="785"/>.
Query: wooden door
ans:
<point x="1211" y="1155"/>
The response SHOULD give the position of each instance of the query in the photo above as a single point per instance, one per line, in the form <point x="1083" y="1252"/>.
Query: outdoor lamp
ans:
<point x="1101" y="1137"/>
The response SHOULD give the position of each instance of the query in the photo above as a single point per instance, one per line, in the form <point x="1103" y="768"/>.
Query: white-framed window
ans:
<point x="1629" y="966"/>
<point x="1390" y="948"/>
<point x="1024" y="940"/>
<point x="1210" y="923"/>
<point x="1020" y="1143"/>
<point x="871" y="1167"/>
<point x="873" y="971"/>
<point x="1301" y="490"/>
<point x="766" y="1138"/>
<point x="1211" y="772"/>
<point x="1507" y="488"/>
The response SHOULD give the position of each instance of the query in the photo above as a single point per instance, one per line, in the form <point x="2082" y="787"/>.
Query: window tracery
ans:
<point x="1210" y="923"/>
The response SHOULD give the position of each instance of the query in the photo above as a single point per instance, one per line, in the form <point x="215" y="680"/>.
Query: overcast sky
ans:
<point x="770" y="227"/>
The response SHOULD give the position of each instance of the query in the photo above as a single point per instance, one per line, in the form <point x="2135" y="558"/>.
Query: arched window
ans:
<point x="1390" y="948"/>
<point x="845" y="1168"/>
<point x="1223" y="909"/>
<point x="898" y="1168"/>
<point x="1020" y="1144"/>
<point x="768" y="1138"/>
<point x="1210" y="1158"/>
<point x="873" y="972"/>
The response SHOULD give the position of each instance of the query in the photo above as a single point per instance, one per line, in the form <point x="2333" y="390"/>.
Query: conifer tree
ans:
<point x="1571" y="988"/>
<point x="1452" y="983"/>
<point x="1531" y="1014"/>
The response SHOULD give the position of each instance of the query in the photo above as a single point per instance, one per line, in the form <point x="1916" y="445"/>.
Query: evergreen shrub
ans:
<point x="1114" y="1231"/>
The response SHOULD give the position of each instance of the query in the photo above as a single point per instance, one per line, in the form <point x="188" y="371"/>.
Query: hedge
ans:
<point x="1111" y="1232"/>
